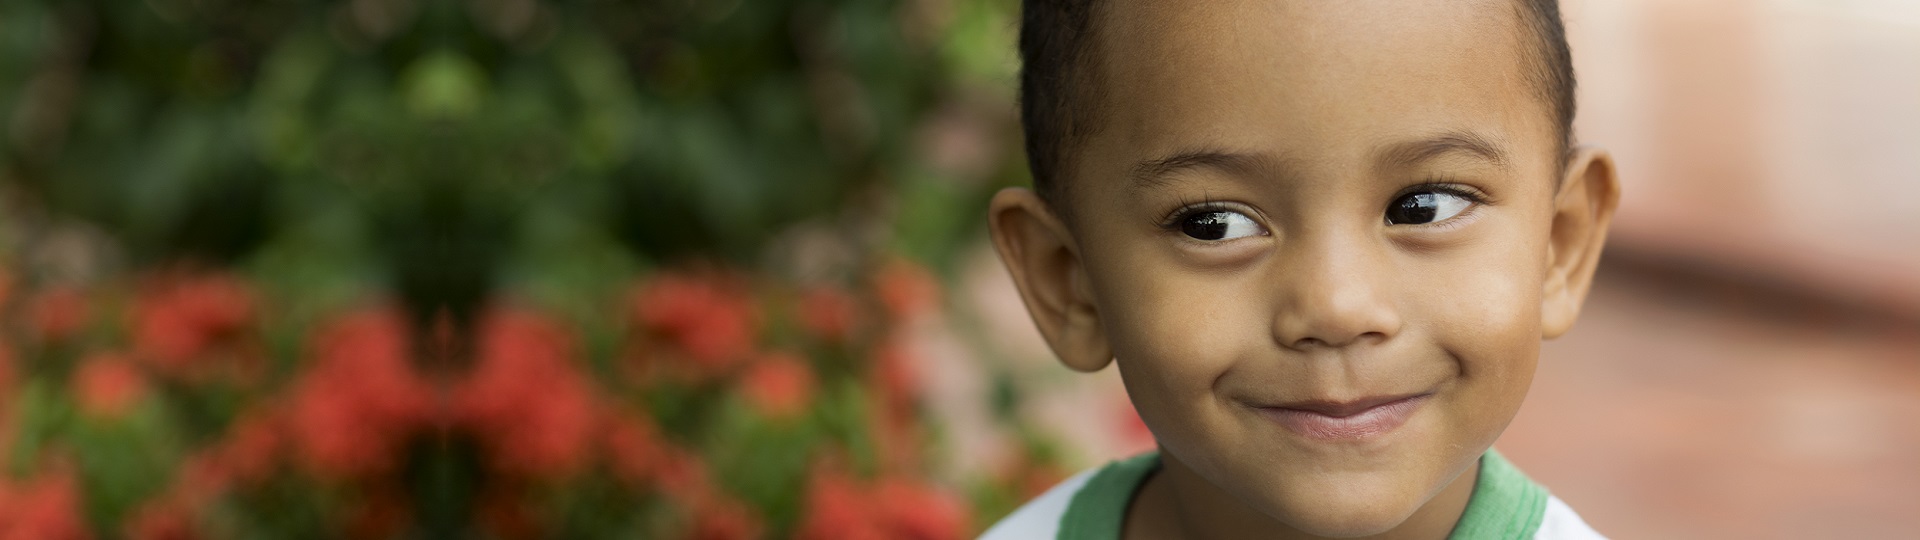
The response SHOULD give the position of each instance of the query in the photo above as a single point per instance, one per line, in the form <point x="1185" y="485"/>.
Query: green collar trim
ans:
<point x="1100" y="507"/>
<point x="1506" y="505"/>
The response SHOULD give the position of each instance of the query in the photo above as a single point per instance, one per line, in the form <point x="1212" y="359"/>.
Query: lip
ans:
<point x="1345" y="421"/>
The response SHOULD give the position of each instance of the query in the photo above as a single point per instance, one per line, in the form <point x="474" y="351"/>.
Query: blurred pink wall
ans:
<point x="1778" y="140"/>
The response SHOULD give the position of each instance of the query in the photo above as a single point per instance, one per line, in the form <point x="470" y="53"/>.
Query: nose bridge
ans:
<point x="1335" y="288"/>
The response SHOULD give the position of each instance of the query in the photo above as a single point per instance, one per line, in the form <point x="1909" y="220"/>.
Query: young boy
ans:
<point x="1321" y="240"/>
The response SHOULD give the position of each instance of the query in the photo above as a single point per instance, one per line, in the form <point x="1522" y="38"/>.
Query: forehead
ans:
<point x="1321" y="80"/>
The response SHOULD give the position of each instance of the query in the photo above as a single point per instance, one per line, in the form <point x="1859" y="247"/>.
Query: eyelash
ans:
<point x="1172" y="221"/>
<point x="1447" y="186"/>
<point x="1188" y="208"/>
<point x="1474" y="197"/>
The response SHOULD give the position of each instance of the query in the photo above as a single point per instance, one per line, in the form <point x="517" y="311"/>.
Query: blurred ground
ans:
<point x="1684" y="407"/>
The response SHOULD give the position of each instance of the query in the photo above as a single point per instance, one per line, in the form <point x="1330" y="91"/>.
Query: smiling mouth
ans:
<point x="1343" y="421"/>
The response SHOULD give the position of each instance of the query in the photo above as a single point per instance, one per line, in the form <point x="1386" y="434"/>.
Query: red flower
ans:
<point x="682" y="476"/>
<point x="719" y="518"/>
<point x="893" y="374"/>
<point x="829" y="313"/>
<point x="335" y="438"/>
<point x="201" y="478"/>
<point x="246" y="455"/>
<point x="712" y="322"/>
<point x="893" y="413"/>
<point x="503" y="515"/>
<point x="553" y="434"/>
<point x="162" y="520"/>
<point x="1029" y="478"/>
<point x="7" y="373"/>
<point x="351" y="412"/>
<point x="533" y="410"/>
<point x="176" y="319"/>
<point x="46" y="508"/>
<point x="382" y="514"/>
<point x="906" y="289"/>
<point x="57" y="314"/>
<point x="6" y="287"/>
<point x="837" y="509"/>
<point x="840" y="507"/>
<point x="779" y="386"/>
<point x="636" y="451"/>
<point x="106" y="384"/>
<point x="915" y="511"/>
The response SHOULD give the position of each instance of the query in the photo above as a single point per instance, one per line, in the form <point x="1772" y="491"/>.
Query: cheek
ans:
<point x="1489" y="319"/>
<point x="1173" y="335"/>
<point x="1487" y="309"/>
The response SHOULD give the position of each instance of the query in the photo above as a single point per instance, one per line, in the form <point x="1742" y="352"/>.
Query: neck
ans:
<point x="1176" y="502"/>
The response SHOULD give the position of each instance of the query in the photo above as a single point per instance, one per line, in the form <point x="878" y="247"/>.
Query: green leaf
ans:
<point x="444" y="85"/>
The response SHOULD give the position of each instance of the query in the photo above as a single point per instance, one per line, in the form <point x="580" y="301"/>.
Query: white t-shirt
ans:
<point x="1091" y="506"/>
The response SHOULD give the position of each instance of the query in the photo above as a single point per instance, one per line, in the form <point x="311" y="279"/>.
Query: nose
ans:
<point x="1334" y="292"/>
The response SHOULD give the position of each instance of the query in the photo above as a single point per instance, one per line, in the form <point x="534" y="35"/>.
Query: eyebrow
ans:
<point x="1155" y="173"/>
<point x="1414" y="152"/>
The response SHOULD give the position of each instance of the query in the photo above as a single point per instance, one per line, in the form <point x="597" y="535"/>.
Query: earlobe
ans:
<point x="1039" y="252"/>
<point x="1583" y="209"/>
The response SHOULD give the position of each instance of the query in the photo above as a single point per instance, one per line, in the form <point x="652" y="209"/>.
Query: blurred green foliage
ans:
<point x="443" y="149"/>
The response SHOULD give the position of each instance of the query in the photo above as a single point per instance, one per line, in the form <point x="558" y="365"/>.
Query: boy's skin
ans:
<point x="1308" y="119"/>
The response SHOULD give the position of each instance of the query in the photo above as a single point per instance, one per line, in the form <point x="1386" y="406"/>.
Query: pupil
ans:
<point x="1208" y="226"/>
<point x="1414" y="209"/>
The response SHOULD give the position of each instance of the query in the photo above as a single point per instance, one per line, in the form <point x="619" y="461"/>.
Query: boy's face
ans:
<point x="1323" y="241"/>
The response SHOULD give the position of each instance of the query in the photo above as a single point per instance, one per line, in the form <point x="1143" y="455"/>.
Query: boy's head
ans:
<point x="1062" y="84"/>
<point x="1322" y="239"/>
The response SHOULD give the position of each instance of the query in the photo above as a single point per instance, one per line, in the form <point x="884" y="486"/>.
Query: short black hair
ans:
<point x="1061" y="86"/>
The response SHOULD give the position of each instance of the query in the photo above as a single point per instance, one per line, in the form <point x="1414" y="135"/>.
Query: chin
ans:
<point x="1349" y="526"/>
<point x="1344" y="510"/>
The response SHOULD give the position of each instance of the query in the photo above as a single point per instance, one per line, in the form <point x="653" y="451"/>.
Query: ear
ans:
<point x="1583" y="208"/>
<point x="1040" y="253"/>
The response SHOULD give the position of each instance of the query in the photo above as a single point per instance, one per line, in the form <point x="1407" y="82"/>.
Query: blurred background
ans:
<point x="599" y="269"/>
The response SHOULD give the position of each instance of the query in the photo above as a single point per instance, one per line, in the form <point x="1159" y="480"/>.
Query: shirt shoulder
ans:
<point x="1091" y="505"/>
<point x="1508" y="505"/>
<point x="1559" y="522"/>
<point x="1040" y="518"/>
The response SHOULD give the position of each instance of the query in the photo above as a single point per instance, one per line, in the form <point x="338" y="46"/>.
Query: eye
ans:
<point x="1219" y="225"/>
<point x="1426" y="207"/>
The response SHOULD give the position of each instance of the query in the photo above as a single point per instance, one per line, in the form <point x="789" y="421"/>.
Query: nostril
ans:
<point x="1355" y="316"/>
<point x="1312" y="342"/>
